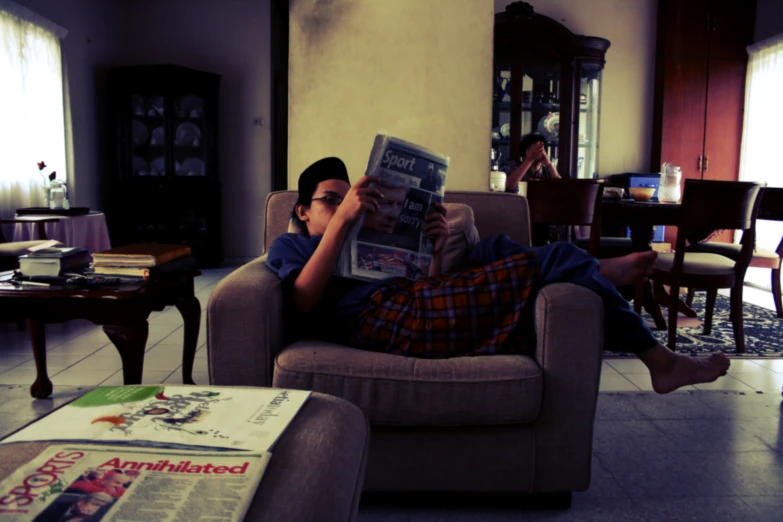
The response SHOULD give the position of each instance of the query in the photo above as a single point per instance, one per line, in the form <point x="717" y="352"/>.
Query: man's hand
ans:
<point x="436" y="227"/>
<point x="360" y="198"/>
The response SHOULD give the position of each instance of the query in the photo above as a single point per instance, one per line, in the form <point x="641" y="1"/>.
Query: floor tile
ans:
<point x="768" y="381"/>
<point x="626" y="366"/>
<point x="661" y="475"/>
<point x="608" y="370"/>
<point x="14" y="376"/>
<point x="617" y="406"/>
<point x="616" y="383"/>
<point x="644" y="382"/>
<point x="720" y="509"/>
<point x="380" y="514"/>
<point x="709" y="435"/>
<point x="687" y="405"/>
<point x="747" y="366"/>
<point x="776" y="365"/>
<point x="596" y="510"/>
<point x="766" y="509"/>
<point x="75" y="376"/>
<point x="744" y="473"/>
<point x="728" y="383"/>
<point x="630" y="437"/>
<point x="9" y="361"/>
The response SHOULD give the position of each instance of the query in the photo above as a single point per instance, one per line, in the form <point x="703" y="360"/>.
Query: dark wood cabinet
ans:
<point x="700" y="86"/>
<point x="165" y="187"/>
<point x="700" y="89"/>
<point x="546" y="79"/>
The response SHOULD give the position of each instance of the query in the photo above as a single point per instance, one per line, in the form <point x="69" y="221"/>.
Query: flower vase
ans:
<point x="45" y="192"/>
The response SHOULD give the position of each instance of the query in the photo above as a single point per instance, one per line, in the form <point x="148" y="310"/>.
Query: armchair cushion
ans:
<point x="403" y="391"/>
<point x="695" y="263"/>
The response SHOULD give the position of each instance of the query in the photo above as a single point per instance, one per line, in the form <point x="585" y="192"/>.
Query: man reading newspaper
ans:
<point x="481" y="309"/>
<point x="411" y="181"/>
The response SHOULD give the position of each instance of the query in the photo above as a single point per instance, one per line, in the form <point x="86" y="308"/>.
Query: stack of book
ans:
<point x="53" y="261"/>
<point x="143" y="260"/>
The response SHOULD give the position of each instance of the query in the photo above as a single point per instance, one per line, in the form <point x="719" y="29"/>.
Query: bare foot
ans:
<point x="683" y="370"/>
<point x="630" y="269"/>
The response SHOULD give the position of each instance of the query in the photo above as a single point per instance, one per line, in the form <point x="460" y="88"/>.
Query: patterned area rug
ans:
<point x="763" y="331"/>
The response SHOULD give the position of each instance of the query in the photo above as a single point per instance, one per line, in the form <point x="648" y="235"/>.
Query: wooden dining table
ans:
<point x="641" y="217"/>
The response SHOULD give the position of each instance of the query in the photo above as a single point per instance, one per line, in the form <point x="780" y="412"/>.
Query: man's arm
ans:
<point x="436" y="226"/>
<point x="310" y="284"/>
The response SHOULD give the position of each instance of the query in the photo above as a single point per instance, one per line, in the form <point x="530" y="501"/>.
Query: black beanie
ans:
<point x="321" y="170"/>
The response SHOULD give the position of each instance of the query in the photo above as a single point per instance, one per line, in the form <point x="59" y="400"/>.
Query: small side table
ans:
<point x="88" y="231"/>
<point x="122" y="310"/>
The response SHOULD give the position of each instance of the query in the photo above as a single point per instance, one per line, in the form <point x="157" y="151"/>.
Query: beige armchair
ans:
<point x="502" y="423"/>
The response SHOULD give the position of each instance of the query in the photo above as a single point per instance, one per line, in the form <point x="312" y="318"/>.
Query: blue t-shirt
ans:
<point x="344" y="298"/>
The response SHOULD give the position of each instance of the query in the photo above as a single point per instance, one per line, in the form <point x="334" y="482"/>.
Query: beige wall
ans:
<point x="420" y="70"/>
<point x="627" y="101"/>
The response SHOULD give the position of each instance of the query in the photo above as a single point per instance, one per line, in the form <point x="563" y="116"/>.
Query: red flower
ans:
<point x="52" y="175"/>
<point x="41" y="165"/>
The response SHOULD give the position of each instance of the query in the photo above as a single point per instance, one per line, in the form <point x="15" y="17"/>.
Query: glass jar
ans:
<point x="670" y="184"/>
<point x="57" y="194"/>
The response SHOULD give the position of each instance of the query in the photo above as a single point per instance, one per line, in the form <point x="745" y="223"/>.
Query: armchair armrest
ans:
<point x="569" y="327"/>
<point x="244" y="326"/>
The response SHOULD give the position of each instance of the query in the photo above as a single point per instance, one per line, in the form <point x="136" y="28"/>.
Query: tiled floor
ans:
<point x="694" y="455"/>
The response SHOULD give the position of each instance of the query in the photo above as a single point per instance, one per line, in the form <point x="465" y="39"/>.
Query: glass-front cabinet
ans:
<point x="546" y="80"/>
<point x="165" y="186"/>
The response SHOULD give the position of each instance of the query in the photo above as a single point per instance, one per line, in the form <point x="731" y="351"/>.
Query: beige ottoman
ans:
<point x="316" y="472"/>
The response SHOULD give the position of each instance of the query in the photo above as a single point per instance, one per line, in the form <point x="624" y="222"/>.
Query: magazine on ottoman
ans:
<point x="165" y="453"/>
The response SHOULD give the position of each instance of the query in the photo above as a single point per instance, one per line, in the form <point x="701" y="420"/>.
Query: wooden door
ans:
<point x="684" y="99"/>
<point x="685" y="27"/>
<point x="724" y="118"/>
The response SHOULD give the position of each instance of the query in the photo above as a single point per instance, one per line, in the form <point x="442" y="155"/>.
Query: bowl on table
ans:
<point x="613" y="192"/>
<point x="641" y="193"/>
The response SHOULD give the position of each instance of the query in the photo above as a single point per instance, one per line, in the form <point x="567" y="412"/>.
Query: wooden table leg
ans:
<point x="190" y="308"/>
<point x="130" y="340"/>
<point x="42" y="387"/>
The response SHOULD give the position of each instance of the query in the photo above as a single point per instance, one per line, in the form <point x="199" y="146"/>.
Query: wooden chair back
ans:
<point x="573" y="202"/>
<point x="730" y="205"/>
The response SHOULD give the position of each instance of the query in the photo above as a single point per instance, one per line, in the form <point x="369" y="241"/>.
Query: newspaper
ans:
<point x="390" y="242"/>
<point x="91" y="483"/>
<point x="184" y="417"/>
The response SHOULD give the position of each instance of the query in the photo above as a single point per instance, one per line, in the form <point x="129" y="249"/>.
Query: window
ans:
<point x="761" y="136"/>
<point x="32" y="118"/>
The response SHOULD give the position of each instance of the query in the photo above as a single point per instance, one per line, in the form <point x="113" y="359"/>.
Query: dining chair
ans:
<point x="10" y="251"/>
<point x="569" y="202"/>
<point x="728" y="205"/>
<point x="771" y="209"/>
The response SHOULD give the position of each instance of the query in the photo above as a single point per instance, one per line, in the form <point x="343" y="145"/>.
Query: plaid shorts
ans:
<point x="470" y="312"/>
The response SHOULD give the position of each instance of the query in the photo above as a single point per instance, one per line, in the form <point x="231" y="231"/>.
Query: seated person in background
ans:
<point x="483" y="309"/>
<point x="535" y="163"/>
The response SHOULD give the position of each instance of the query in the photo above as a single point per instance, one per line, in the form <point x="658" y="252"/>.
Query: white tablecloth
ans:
<point x="88" y="231"/>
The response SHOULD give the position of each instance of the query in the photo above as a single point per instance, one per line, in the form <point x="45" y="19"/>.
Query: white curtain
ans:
<point x="761" y="136"/>
<point x="32" y="124"/>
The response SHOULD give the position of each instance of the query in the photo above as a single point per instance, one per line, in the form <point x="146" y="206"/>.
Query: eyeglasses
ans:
<point x="330" y="200"/>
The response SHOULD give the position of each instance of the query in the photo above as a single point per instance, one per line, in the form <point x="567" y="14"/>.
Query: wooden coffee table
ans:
<point x="122" y="310"/>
